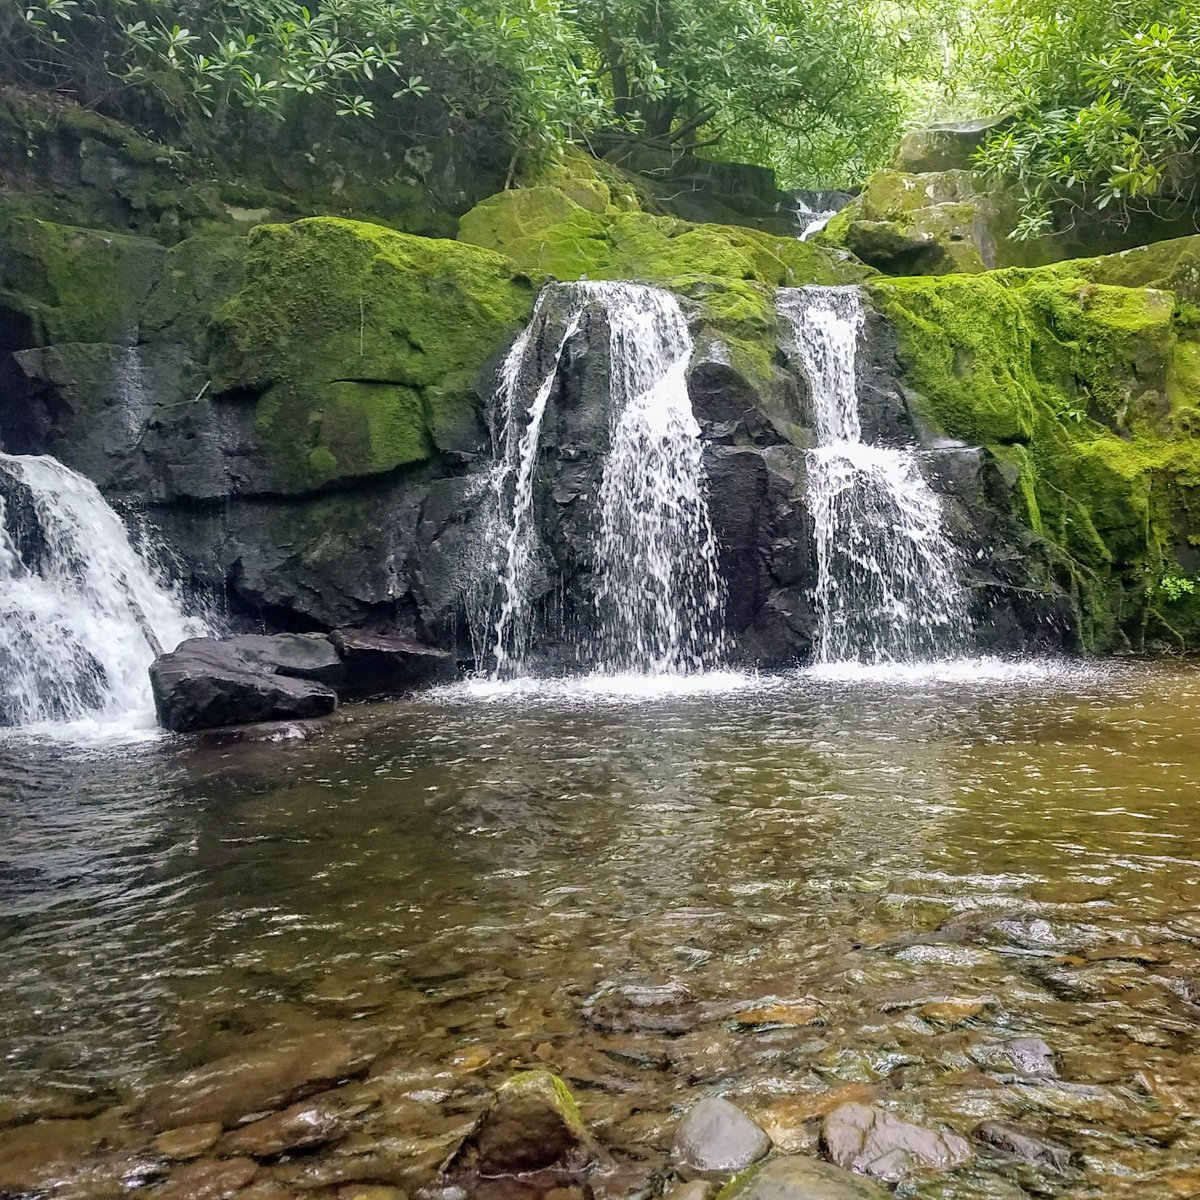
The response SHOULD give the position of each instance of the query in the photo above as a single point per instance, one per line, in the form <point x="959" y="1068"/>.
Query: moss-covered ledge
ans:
<point x="361" y="347"/>
<point x="1087" y="396"/>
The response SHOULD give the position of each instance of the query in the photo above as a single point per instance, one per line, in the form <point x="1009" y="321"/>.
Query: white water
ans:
<point x="887" y="576"/>
<point x="78" y="606"/>
<point x="659" y="598"/>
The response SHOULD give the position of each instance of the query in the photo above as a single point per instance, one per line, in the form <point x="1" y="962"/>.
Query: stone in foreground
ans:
<point x="873" y="1142"/>
<point x="207" y="683"/>
<point x="717" y="1139"/>
<point x="532" y="1124"/>
<point x="799" y="1178"/>
<point x="211" y="682"/>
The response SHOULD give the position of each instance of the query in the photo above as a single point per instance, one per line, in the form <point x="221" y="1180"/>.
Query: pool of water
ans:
<point x="602" y="877"/>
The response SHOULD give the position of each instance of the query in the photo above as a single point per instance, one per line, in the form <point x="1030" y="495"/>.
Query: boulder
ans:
<point x="799" y="1178"/>
<point x="873" y="1142"/>
<point x="532" y="1124"/>
<point x="947" y="146"/>
<point x="379" y="664"/>
<point x="717" y="1139"/>
<point x="207" y="683"/>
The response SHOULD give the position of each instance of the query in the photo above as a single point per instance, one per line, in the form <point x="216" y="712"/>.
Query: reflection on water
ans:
<point x="482" y="864"/>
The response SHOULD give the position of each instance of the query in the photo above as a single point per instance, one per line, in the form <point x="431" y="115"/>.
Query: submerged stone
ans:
<point x="1022" y="1144"/>
<point x="259" y="1079"/>
<point x="873" y="1142"/>
<point x="532" y="1124"/>
<point x="717" y="1139"/>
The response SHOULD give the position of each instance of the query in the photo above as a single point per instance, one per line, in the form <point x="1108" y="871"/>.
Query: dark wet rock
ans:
<point x="1032" y="1056"/>
<point x="298" y="655"/>
<point x="314" y="1122"/>
<point x="259" y="1080"/>
<point x="873" y="1142"/>
<point x="208" y="1179"/>
<point x="1022" y="1144"/>
<point x="800" y="1178"/>
<point x="207" y="683"/>
<point x="189" y="1141"/>
<point x="717" y="1139"/>
<point x="380" y="664"/>
<point x="532" y="1124"/>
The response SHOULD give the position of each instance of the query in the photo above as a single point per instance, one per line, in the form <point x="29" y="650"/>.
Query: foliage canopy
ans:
<point x="804" y="84"/>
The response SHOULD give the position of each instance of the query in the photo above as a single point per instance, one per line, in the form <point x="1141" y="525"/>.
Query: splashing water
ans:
<point x="659" y="599"/>
<point x="887" y="576"/>
<point x="82" y="614"/>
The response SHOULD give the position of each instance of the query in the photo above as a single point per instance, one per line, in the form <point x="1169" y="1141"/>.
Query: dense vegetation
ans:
<point x="1103" y="98"/>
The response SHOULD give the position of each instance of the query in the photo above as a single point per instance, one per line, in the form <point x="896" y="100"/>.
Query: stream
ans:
<point x="847" y="883"/>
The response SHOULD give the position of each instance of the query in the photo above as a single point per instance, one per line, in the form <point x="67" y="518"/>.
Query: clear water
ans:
<point x="80" y="613"/>
<point x="598" y="880"/>
<point x="887" y="576"/>
<point x="659" y="597"/>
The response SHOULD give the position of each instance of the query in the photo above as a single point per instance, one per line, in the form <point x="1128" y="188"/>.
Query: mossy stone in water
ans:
<point x="531" y="1124"/>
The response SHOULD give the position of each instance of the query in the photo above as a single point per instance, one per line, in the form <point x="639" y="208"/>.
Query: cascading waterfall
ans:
<point x="659" y="596"/>
<point x="82" y="614"/>
<point x="887" y="576"/>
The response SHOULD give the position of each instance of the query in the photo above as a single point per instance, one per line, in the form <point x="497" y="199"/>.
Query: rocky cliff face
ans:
<point x="301" y="409"/>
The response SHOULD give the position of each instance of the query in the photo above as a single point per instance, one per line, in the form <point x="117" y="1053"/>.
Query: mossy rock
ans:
<point x="74" y="285"/>
<point x="532" y="1124"/>
<point x="361" y="346"/>
<point x="1087" y="396"/>
<point x="931" y="224"/>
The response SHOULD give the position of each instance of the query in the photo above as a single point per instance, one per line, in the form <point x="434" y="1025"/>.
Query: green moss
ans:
<point x="363" y="345"/>
<point x="546" y="232"/>
<point x="75" y="285"/>
<point x="1077" y="390"/>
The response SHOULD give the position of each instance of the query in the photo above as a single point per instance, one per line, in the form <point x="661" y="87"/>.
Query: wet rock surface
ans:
<point x="716" y="1139"/>
<point x="873" y="1141"/>
<point x="213" y="682"/>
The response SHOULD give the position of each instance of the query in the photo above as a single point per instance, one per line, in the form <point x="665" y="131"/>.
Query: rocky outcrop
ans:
<point x="211" y="682"/>
<point x="1081" y="398"/>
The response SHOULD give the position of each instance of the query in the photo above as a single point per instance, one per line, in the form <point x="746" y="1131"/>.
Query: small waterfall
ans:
<point x="659" y="599"/>
<point x="82" y="614"/>
<point x="887" y="576"/>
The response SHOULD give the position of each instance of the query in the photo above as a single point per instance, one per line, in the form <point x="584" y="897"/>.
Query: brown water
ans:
<point x="601" y="883"/>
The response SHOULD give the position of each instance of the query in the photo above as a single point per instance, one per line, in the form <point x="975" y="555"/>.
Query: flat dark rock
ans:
<point x="380" y="663"/>
<point x="208" y="683"/>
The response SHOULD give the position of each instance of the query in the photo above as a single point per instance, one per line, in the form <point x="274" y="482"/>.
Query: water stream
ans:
<point x="82" y="612"/>
<point x="887" y="575"/>
<point x="942" y="860"/>
<point x="658" y="595"/>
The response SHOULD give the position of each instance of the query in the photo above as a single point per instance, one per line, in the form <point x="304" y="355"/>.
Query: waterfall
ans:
<point x="658" y="596"/>
<point x="887" y="575"/>
<point x="82" y="613"/>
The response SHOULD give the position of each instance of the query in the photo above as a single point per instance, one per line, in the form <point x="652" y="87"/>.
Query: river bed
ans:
<point x="785" y="890"/>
